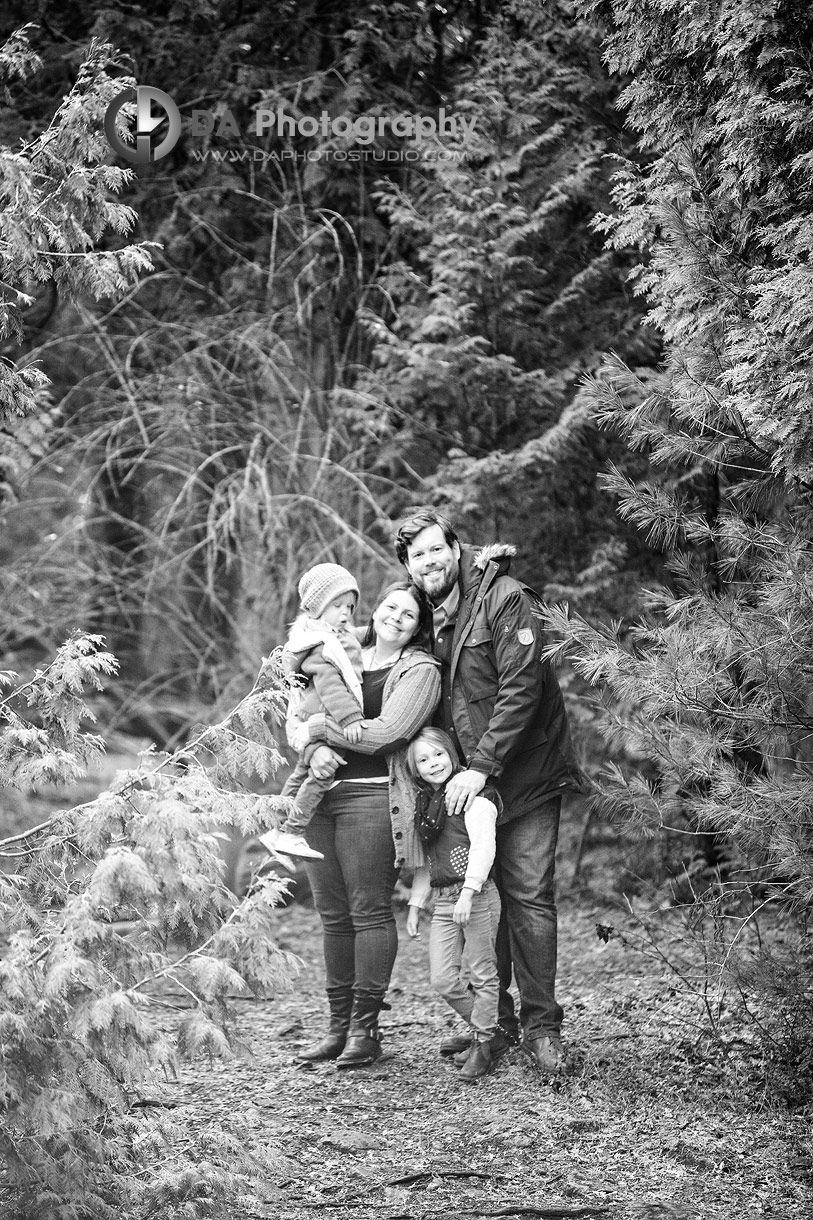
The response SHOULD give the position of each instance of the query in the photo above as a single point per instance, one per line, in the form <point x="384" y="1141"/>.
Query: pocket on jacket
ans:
<point x="478" y="670"/>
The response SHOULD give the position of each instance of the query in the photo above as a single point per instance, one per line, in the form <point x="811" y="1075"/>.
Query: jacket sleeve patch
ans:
<point x="525" y="636"/>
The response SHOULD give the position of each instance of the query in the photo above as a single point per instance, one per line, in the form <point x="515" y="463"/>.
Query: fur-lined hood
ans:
<point x="484" y="563"/>
<point x="495" y="551"/>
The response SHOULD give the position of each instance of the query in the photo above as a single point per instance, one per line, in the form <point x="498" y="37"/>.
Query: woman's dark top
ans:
<point x="367" y="766"/>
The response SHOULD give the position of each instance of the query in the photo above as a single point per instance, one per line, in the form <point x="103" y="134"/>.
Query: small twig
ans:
<point x="409" y="1180"/>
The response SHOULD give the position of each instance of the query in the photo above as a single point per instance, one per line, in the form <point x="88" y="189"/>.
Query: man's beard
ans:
<point x="439" y="594"/>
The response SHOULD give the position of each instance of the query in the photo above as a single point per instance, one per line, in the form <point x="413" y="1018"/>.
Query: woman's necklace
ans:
<point x="377" y="662"/>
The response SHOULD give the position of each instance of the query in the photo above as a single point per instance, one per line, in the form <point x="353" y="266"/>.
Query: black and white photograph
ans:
<point x="406" y="610"/>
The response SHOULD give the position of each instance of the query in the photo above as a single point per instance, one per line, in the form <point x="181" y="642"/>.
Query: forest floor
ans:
<point x="648" y="1122"/>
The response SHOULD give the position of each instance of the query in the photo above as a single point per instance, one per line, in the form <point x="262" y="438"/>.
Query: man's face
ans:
<point x="433" y="564"/>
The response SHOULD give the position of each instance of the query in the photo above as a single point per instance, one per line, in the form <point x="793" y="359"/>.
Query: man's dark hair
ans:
<point x="420" y="519"/>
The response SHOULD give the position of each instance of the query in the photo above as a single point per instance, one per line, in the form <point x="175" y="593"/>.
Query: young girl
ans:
<point x="460" y="851"/>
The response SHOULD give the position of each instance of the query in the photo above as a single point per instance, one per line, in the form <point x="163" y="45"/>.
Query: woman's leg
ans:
<point x="331" y="901"/>
<point x="365" y="857"/>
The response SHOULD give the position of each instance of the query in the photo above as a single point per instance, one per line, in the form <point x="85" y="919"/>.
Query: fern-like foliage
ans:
<point x="105" y="906"/>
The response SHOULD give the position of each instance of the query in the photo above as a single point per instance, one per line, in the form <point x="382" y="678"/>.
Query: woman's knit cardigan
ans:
<point x="411" y="694"/>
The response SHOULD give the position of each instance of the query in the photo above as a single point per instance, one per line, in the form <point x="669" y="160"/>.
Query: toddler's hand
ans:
<point x="462" y="908"/>
<point x="352" y="732"/>
<point x="413" y="921"/>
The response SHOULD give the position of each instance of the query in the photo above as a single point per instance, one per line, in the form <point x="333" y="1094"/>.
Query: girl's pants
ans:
<point x="352" y="887"/>
<point x="476" y="1002"/>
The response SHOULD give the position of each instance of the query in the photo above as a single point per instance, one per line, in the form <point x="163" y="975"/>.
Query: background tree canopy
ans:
<point x="322" y="342"/>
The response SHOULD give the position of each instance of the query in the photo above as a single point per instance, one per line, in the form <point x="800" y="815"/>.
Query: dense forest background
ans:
<point x="584" y="329"/>
<point x="323" y="342"/>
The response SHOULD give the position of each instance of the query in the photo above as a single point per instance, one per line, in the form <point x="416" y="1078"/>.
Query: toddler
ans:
<point x="460" y="851"/>
<point x="322" y="647"/>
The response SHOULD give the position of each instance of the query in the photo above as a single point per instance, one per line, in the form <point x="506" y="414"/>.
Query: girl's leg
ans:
<point x="445" y="959"/>
<point x="481" y="956"/>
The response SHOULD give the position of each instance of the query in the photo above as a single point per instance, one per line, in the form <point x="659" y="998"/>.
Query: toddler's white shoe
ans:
<point x="269" y="839"/>
<point x="295" y="845"/>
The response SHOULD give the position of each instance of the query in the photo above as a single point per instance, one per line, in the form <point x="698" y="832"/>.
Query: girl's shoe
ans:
<point x="291" y="845"/>
<point x="479" y="1062"/>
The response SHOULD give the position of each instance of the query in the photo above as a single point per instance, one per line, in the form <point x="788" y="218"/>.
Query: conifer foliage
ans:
<point x="56" y="193"/>
<point x="713" y="687"/>
<point x="108" y="905"/>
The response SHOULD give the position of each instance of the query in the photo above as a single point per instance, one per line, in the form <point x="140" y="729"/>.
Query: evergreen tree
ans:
<point x="102" y="907"/>
<point x="712" y="687"/>
<point x="59" y="230"/>
<point x="505" y="298"/>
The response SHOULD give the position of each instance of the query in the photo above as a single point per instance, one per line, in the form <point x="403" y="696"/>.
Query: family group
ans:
<point x="436" y="740"/>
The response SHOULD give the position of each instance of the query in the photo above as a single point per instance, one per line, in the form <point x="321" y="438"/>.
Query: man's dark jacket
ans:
<point x="506" y="706"/>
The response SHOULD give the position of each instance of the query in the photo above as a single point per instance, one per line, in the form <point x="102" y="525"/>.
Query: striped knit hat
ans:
<point x="320" y="585"/>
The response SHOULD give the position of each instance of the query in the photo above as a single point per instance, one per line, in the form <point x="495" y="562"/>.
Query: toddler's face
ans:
<point x="433" y="763"/>
<point x="339" y="613"/>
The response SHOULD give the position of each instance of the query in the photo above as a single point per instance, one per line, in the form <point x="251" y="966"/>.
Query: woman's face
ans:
<point x="396" y="618"/>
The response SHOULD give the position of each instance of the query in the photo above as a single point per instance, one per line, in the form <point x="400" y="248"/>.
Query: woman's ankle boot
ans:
<point x="340" y="1000"/>
<point x="363" y="1044"/>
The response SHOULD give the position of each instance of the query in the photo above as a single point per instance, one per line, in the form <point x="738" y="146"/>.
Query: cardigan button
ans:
<point x="398" y="835"/>
<point x="395" y="809"/>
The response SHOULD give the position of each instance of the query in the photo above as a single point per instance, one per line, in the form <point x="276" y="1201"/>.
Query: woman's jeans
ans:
<point x="352" y="887"/>
<point x="477" y="1001"/>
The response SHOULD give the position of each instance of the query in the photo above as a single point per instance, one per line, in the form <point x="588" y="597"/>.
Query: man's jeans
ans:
<point x="526" y="939"/>
<point x="477" y="1003"/>
<point x="352" y="887"/>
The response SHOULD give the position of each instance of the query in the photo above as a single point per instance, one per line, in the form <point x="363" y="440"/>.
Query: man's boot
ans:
<point x="364" y="1037"/>
<point x="340" y="1000"/>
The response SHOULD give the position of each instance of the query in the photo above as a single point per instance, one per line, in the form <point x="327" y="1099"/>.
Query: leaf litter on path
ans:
<point x="636" y="1130"/>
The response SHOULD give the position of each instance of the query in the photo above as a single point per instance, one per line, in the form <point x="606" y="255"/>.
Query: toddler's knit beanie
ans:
<point x="320" y="585"/>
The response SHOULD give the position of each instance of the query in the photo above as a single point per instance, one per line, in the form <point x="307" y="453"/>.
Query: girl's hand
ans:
<point x="353" y="732"/>
<point x="413" y="922"/>
<point x="462" y="908"/>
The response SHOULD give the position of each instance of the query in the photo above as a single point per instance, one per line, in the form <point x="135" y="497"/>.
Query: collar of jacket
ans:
<point x="479" y="566"/>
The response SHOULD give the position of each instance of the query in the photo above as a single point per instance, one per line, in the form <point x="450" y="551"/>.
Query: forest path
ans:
<point x="639" y="1128"/>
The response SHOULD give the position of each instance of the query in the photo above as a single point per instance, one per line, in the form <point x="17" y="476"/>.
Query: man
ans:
<point x="502" y="706"/>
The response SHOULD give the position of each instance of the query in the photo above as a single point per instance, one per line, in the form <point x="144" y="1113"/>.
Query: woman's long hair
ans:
<point x="423" y="636"/>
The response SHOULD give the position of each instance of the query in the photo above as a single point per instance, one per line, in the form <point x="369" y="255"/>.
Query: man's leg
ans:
<point x="526" y="853"/>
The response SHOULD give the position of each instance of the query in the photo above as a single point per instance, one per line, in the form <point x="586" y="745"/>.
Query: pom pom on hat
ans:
<point x="321" y="584"/>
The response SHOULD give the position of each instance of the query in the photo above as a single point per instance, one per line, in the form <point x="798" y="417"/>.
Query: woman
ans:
<point x="365" y="827"/>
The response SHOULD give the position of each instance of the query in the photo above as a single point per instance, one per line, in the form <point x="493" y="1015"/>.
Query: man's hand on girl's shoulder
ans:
<point x="462" y="789"/>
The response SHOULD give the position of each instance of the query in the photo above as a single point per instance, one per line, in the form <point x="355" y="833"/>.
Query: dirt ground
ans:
<point x="646" y="1123"/>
